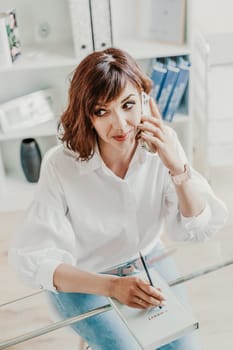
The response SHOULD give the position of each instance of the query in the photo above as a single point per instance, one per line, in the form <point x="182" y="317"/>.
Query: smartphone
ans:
<point x="145" y="104"/>
<point x="147" y="112"/>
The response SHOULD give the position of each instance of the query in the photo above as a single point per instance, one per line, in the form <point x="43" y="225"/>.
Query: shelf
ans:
<point x="18" y="193"/>
<point x="179" y="118"/>
<point x="63" y="56"/>
<point x="42" y="57"/>
<point x="141" y="49"/>
<point x="45" y="129"/>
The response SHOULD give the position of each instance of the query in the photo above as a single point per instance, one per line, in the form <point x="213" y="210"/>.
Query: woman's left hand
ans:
<point x="159" y="139"/>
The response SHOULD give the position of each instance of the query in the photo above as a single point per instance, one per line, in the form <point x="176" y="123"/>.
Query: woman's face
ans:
<point x="116" y="122"/>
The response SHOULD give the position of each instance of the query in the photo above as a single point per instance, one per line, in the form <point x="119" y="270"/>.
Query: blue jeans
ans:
<point x="107" y="331"/>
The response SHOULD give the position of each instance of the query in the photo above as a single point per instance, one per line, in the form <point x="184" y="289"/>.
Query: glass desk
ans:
<point x="205" y="268"/>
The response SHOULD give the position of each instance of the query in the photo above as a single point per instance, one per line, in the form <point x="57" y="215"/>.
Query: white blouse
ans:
<point x="86" y="216"/>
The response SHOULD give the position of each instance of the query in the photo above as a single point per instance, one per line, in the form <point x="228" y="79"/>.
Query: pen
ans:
<point x="147" y="272"/>
<point x="146" y="269"/>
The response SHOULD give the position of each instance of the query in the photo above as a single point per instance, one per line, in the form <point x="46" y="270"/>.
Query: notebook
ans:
<point x="156" y="327"/>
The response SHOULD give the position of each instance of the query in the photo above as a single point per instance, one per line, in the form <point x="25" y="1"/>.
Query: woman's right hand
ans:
<point x="135" y="292"/>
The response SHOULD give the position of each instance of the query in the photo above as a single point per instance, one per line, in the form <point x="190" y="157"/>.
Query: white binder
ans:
<point x="101" y="23"/>
<point x="81" y="27"/>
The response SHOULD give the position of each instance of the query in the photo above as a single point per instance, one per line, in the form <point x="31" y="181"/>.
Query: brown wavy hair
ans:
<point x="101" y="76"/>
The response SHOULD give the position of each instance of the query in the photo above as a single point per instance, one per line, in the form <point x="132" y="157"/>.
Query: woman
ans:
<point x="102" y="198"/>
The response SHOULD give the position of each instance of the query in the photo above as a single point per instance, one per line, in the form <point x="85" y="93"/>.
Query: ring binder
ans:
<point x="81" y="27"/>
<point x="101" y="23"/>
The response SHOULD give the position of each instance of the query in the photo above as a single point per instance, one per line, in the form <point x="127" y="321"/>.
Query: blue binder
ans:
<point x="179" y="89"/>
<point x="168" y="85"/>
<point x="157" y="76"/>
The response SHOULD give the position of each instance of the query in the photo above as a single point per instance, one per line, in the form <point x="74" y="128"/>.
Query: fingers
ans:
<point x="145" y="300"/>
<point x="137" y="293"/>
<point x="155" y="121"/>
<point x="154" y="109"/>
<point x="152" y="129"/>
<point x="142" y="304"/>
<point x="148" y="296"/>
<point x="157" y="144"/>
<point x="152" y="292"/>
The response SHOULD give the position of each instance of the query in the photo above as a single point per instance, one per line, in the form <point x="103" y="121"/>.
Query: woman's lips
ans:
<point x="122" y="137"/>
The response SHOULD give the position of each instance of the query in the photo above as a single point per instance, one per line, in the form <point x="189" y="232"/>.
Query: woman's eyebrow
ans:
<point x="126" y="98"/>
<point x="102" y="104"/>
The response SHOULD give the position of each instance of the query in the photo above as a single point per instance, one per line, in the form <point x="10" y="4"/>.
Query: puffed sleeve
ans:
<point x="46" y="238"/>
<point x="196" y="228"/>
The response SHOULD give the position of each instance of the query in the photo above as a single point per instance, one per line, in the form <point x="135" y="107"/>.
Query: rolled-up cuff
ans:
<point x="44" y="276"/>
<point x="199" y="222"/>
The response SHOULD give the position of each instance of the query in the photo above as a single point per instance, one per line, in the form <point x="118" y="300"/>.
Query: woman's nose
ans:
<point x="119" y="121"/>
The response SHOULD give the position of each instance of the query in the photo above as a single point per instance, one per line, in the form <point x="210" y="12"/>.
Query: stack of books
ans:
<point x="170" y="78"/>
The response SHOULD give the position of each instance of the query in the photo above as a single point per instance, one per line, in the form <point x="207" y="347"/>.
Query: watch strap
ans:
<point x="183" y="177"/>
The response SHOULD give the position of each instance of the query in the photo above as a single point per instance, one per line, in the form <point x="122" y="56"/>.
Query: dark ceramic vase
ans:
<point x="30" y="158"/>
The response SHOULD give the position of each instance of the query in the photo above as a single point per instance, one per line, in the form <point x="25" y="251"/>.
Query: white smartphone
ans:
<point x="146" y="111"/>
<point x="145" y="104"/>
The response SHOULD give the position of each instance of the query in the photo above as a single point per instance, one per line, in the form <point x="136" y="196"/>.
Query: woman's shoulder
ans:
<point x="53" y="155"/>
<point x="59" y="156"/>
<point x="62" y="159"/>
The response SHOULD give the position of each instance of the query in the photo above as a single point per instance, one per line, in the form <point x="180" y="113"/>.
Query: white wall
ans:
<point x="210" y="17"/>
<point x="213" y="16"/>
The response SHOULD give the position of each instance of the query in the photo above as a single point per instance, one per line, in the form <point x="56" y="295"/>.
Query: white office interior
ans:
<point x="207" y="138"/>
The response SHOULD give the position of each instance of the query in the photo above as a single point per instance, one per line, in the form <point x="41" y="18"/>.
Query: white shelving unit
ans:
<point x="150" y="48"/>
<point x="45" y="129"/>
<point x="42" y="57"/>
<point x="46" y="61"/>
<point x="213" y="97"/>
<point x="49" y="62"/>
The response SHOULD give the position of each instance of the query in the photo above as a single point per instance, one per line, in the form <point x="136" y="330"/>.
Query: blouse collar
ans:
<point x="96" y="162"/>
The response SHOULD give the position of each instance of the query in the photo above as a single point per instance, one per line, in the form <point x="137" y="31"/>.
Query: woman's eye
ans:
<point x="129" y="105"/>
<point x="100" y="112"/>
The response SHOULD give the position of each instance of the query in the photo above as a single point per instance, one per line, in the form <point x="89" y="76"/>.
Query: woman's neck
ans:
<point x="118" y="162"/>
